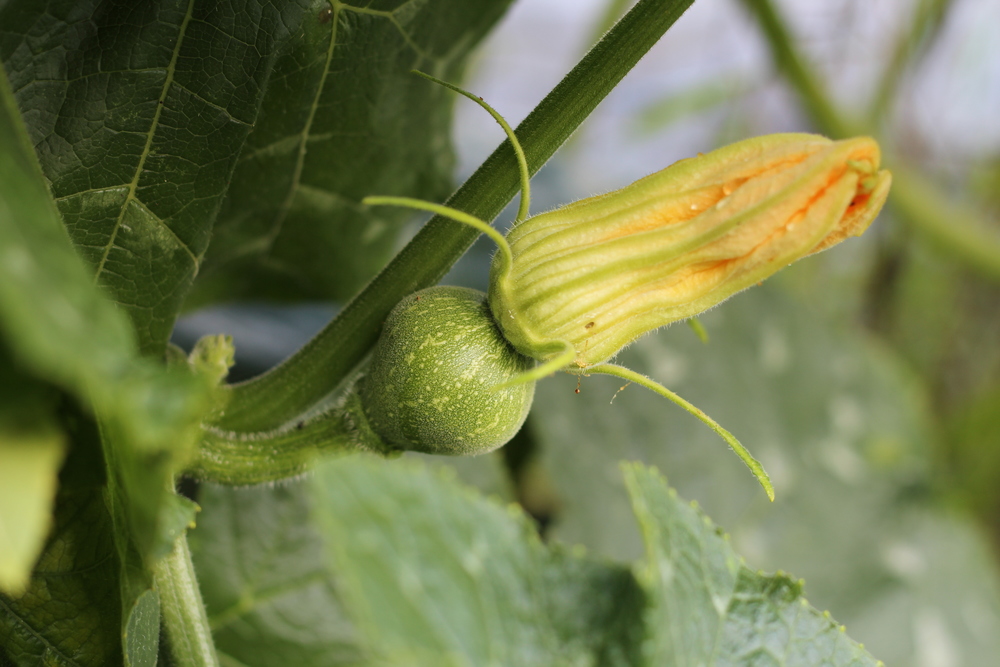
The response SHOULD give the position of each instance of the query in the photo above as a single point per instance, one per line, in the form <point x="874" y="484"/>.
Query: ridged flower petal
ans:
<point x="603" y="271"/>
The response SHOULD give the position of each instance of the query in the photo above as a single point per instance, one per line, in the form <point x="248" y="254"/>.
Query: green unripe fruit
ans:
<point x="430" y="384"/>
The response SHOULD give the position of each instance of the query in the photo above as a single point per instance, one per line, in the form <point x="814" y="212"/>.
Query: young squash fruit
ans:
<point x="431" y="386"/>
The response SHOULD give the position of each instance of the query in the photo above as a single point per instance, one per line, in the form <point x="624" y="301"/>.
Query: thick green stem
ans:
<point x="278" y="396"/>
<point x="182" y="609"/>
<point x="247" y="458"/>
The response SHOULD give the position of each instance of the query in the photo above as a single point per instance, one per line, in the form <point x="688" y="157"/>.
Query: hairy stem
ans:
<point x="248" y="458"/>
<point x="183" y="610"/>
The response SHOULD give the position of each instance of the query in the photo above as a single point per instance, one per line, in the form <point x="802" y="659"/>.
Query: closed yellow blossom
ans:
<point x="601" y="272"/>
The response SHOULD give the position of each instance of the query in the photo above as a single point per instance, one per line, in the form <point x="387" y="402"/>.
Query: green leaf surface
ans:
<point x="70" y="614"/>
<point x="138" y="121"/>
<point x="842" y="432"/>
<point x="437" y="575"/>
<point x="340" y="119"/>
<point x="486" y="472"/>
<point x="141" y="637"/>
<point x="147" y="118"/>
<point x="707" y="608"/>
<point x="177" y="517"/>
<point x="270" y="596"/>
<point x="55" y="321"/>
<point x="265" y="577"/>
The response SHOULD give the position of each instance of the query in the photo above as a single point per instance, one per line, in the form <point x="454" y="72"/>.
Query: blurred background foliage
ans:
<point x="867" y="379"/>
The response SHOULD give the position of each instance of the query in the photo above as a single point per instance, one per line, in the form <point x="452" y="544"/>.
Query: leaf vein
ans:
<point x="303" y="141"/>
<point x="173" y="234"/>
<point x="391" y="17"/>
<point x="215" y="106"/>
<point x="254" y="598"/>
<point x="149" y="141"/>
<point x="88" y="191"/>
<point x="24" y="624"/>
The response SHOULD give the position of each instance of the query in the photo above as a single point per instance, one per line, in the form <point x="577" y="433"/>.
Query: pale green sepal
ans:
<point x="453" y="214"/>
<point x="564" y="357"/>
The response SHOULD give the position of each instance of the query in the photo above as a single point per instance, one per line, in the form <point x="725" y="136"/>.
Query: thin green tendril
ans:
<point x="522" y="162"/>
<point x="454" y="214"/>
<point x="755" y="467"/>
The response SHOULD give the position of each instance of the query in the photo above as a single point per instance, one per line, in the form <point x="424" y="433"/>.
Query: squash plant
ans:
<point x="166" y="155"/>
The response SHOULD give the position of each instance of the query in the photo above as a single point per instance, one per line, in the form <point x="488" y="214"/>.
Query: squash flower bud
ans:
<point x="601" y="272"/>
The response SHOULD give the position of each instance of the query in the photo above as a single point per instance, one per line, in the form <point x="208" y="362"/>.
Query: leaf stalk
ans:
<point x="183" y="611"/>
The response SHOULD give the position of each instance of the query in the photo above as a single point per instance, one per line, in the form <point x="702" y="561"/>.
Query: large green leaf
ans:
<point x="62" y="328"/>
<point x="56" y="322"/>
<point x="140" y="112"/>
<point x="707" y="608"/>
<point x="270" y="596"/>
<point x="842" y="432"/>
<point x="342" y="118"/>
<point x="436" y="575"/>
<point x="137" y="119"/>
